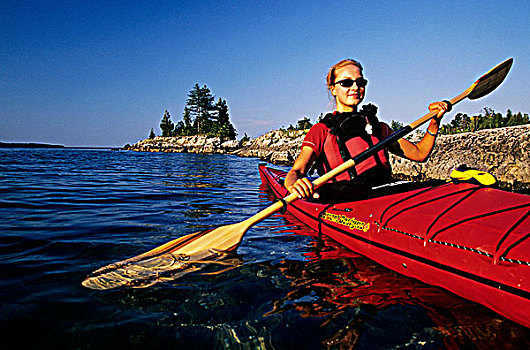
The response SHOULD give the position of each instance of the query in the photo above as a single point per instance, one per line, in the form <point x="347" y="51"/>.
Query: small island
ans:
<point x="28" y="145"/>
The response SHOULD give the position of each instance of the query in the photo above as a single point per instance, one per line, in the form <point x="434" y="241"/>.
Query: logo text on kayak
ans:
<point x="352" y="223"/>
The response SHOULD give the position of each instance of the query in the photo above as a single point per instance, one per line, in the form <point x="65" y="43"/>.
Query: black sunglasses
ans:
<point x="361" y="82"/>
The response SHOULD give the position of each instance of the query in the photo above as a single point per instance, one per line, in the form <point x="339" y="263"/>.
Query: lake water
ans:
<point x="66" y="212"/>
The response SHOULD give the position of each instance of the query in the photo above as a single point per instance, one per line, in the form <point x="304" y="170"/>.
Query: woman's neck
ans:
<point x="346" y="109"/>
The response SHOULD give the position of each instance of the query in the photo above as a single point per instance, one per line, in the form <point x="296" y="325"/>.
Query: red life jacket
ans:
<point x="350" y="134"/>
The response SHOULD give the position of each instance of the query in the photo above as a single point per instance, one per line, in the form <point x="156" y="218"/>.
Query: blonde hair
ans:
<point x="330" y="78"/>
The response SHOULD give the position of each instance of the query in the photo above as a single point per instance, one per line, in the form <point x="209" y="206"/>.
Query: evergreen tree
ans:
<point x="185" y="126"/>
<point x="166" y="125"/>
<point x="202" y="117"/>
<point x="490" y="120"/>
<point x="245" y="138"/>
<point x="179" y="129"/>
<point x="303" y="124"/>
<point x="224" y="128"/>
<point x="395" y="125"/>
<point x="509" y="114"/>
<point x="187" y="121"/>
<point x="152" y="134"/>
<point x="200" y="106"/>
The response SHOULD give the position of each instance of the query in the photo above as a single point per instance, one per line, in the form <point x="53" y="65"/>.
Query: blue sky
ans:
<point x="102" y="73"/>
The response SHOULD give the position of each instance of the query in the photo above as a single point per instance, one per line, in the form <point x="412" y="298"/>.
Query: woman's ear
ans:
<point x="332" y="90"/>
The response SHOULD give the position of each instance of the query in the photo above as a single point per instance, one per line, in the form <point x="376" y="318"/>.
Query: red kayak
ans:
<point x="469" y="239"/>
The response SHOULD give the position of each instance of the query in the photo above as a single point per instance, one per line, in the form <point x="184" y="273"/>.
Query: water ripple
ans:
<point x="64" y="213"/>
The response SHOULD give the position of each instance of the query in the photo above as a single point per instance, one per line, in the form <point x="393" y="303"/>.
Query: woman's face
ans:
<point x="347" y="98"/>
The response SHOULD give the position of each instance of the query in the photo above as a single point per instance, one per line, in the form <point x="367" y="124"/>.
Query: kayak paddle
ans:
<point x="187" y="253"/>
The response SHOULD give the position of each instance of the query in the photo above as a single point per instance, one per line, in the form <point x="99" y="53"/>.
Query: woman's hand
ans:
<point x="296" y="181"/>
<point x="420" y="152"/>
<point x="442" y="107"/>
<point x="303" y="188"/>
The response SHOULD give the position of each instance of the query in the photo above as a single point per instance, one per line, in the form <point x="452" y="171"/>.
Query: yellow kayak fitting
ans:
<point x="464" y="174"/>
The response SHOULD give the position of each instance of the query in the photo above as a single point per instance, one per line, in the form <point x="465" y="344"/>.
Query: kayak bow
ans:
<point x="469" y="239"/>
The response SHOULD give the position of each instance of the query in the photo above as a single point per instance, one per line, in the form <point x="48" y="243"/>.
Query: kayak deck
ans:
<point x="471" y="240"/>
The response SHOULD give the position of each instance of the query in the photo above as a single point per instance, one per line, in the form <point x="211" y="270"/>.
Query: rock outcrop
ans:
<point x="186" y="144"/>
<point x="503" y="152"/>
<point x="277" y="147"/>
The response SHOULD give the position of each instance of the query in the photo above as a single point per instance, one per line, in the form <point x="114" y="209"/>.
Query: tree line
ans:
<point x="489" y="120"/>
<point x="302" y="124"/>
<point x="460" y="123"/>
<point x="202" y="116"/>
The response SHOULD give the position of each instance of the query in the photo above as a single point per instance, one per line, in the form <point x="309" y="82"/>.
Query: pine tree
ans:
<point x="200" y="106"/>
<point x="184" y="127"/>
<point x="166" y="125"/>
<point x="225" y="129"/>
<point x="187" y="121"/>
<point x="303" y="124"/>
<point x="202" y="117"/>
<point x="245" y="138"/>
<point x="491" y="120"/>
<point x="395" y="125"/>
<point x="179" y="129"/>
<point x="152" y="134"/>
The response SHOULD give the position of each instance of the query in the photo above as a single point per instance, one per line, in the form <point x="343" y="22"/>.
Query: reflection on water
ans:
<point x="65" y="213"/>
<point x="201" y="210"/>
<point x="339" y="286"/>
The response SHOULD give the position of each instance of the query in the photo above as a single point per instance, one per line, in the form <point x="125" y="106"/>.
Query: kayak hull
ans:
<point x="470" y="240"/>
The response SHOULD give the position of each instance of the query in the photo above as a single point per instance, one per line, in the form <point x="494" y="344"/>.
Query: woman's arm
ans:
<point x="420" y="152"/>
<point x="296" y="180"/>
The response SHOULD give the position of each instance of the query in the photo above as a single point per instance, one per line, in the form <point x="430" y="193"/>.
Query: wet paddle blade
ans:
<point x="491" y="80"/>
<point x="169" y="261"/>
<point x="139" y="274"/>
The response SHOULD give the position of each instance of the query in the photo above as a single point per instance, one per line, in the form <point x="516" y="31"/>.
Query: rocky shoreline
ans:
<point x="503" y="152"/>
<point x="185" y="144"/>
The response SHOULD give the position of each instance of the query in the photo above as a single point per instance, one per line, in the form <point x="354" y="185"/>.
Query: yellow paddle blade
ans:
<point x="147" y="272"/>
<point x="169" y="261"/>
<point x="465" y="174"/>
<point x="140" y="274"/>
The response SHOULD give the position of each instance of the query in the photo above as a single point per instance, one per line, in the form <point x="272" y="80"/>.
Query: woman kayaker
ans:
<point x="346" y="132"/>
